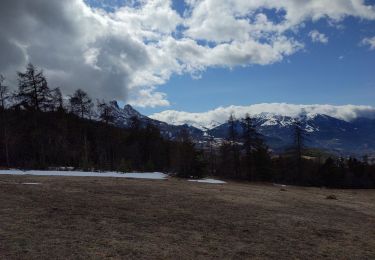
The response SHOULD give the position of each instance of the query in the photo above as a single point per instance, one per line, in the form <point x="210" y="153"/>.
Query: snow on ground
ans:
<point x="279" y="185"/>
<point x="135" y="175"/>
<point x="147" y="175"/>
<point x="212" y="181"/>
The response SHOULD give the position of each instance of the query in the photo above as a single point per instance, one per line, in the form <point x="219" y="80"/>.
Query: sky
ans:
<point x="196" y="55"/>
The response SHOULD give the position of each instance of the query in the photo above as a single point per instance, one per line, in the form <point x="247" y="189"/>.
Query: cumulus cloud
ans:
<point x="369" y="42"/>
<point x="318" y="37"/>
<point x="125" y="52"/>
<point x="220" y="115"/>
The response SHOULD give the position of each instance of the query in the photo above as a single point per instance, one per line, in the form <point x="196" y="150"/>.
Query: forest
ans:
<point x="40" y="128"/>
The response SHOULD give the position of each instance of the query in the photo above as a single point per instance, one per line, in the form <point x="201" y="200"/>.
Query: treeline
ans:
<point x="34" y="94"/>
<point x="39" y="129"/>
<point x="246" y="157"/>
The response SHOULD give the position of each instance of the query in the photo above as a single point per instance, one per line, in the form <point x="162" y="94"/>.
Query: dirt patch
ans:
<point x="81" y="218"/>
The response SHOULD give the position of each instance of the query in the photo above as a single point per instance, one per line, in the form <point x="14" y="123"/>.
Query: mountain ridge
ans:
<point x="123" y="118"/>
<point x="356" y="137"/>
<point x="212" y="118"/>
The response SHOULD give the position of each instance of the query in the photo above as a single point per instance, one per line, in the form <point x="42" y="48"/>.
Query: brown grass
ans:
<point x="81" y="218"/>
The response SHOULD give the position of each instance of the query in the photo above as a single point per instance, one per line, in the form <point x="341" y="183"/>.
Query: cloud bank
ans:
<point x="220" y="115"/>
<point x="125" y="53"/>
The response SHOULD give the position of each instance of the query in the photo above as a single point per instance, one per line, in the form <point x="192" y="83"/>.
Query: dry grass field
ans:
<point x="95" y="218"/>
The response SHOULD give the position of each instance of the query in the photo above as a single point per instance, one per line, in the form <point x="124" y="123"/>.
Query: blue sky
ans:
<point x="196" y="55"/>
<point x="314" y="76"/>
<point x="339" y="72"/>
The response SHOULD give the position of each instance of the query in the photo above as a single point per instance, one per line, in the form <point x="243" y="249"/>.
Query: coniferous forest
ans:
<point x="42" y="129"/>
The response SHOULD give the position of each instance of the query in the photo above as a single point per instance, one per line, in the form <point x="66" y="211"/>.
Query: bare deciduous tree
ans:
<point x="81" y="104"/>
<point x="33" y="90"/>
<point x="4" y="93"/>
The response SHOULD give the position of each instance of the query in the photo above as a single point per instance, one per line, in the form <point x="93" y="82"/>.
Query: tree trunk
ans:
<point x="6" y="147"/>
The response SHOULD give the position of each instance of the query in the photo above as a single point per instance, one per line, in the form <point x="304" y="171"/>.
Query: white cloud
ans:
<point x="220" y="115"/>
<point x="224" y="21"/>
<point x="125" y="54"/>
<point x="370" y="42"/>
<point x="149" y="98"/>
<point x="318" y="37"/>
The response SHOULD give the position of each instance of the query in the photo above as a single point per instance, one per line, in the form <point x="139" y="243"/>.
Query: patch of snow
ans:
<point x="279" y="185"/>
<point x="309" y="128"/>
<point x="212" y="181"/>
<point x="146" y="175"/>
<point x="31" y="183"/>
<point x="270" y="122"/>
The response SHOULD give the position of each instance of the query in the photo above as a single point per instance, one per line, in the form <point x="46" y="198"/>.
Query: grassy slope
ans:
<point x="82" y="218"/>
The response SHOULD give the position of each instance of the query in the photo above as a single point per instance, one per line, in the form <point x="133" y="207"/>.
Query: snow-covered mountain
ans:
<point x="355" y="136"/>
<point x="123" y="118"/>
<point x="271" y="111"/>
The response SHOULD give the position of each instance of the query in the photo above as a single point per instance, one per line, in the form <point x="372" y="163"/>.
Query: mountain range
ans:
<point x="123" y="117"/>
<point x="355" y="137"/>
